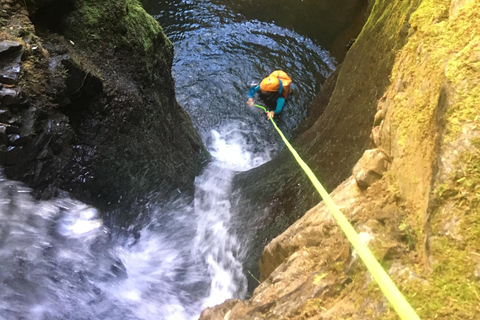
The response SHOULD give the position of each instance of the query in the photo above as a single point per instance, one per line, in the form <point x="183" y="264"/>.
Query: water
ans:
<point x="60" y="261"/>
<point x="218" y="54"/>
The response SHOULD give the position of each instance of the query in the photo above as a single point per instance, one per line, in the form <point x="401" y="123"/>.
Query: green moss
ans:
<point x="145" y="32"/>
<point x="444" y="52"/>
<point x="115" y="25"/>
<point x="450" y="290"/>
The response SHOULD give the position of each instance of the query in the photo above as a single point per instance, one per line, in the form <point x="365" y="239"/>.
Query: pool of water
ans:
<point x="219" y="54"/>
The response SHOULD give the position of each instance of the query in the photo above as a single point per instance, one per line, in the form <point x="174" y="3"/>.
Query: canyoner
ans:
<point x="273" y="91"/>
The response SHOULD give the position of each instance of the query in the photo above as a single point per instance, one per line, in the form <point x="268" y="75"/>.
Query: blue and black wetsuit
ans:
<point x="274" y="101"/>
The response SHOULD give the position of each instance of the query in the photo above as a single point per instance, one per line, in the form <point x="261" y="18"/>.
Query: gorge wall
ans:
<point x="402" y="116"/>
<point x="88" y="103"/>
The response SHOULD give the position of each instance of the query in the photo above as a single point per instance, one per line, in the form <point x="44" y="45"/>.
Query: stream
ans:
<point x="60" y="261"/>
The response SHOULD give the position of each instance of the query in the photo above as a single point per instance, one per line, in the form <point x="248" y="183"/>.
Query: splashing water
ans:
<point x="61" y="262"/>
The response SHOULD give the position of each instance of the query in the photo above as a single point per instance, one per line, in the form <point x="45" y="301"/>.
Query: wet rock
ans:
<point x="4" y="115"/>
<point x="7" y="96"/>
<point x="370" y="167"/>
<point x="45" y="154"/>
<point x="17" y="140"/>
<point x="3" y="135"/>
<point x="221" y="312"/>
<point x="10" y="58"/>
<point x="13" y="155"/>
<point x="9" y="74"/>
<point x="12" y="129"/>
<point x="7" y="47"/>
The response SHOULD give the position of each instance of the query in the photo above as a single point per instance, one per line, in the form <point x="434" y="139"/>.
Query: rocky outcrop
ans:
<point x="408" y="90"/>
<point x="88" y="103"/>
<point x="370" y="168"/>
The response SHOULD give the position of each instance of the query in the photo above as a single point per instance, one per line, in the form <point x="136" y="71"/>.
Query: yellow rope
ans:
<point x="389" y="289"/>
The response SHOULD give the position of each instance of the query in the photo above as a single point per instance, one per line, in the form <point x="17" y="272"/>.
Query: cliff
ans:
<point x="88" y="103"/>
<point x="402" y="117"/>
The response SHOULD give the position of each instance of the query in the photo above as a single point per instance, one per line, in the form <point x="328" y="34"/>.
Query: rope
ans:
<point x="389" y="289"/>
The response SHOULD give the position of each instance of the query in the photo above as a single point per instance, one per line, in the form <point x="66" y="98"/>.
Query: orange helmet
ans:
<point x="270" y="84"/>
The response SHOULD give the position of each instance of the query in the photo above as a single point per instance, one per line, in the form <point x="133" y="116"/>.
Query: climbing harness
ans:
<point x="389" y="289"/>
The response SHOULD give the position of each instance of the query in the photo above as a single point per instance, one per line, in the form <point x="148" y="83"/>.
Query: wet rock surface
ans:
<point x="79" y="114"/>
<point x="10" y="57"/>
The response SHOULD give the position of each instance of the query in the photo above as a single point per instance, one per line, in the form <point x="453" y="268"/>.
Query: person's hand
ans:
<point x="250" y="102"/>
<point x="270" y="114"/>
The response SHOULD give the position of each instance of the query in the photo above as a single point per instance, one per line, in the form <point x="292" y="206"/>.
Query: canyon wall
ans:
<point x="399" y="144"/>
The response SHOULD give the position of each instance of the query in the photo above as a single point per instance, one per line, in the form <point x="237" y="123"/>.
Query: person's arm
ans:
<point x="252" y="91"/>
<point x="280" y="104"/>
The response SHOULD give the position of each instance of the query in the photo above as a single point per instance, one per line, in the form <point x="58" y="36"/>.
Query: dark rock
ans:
<point x="17" y="140"/>
<point x="4" y="115"/>
<point x="76" y="76"/>
<point x="9" y="75"/>
<point x="12" y="129"/>
<point x="84" y="102"/>
<point x="3" y="135"/>
<point x="7" y="97"/>
<point x="45" y="154"/>
<point x="10" y="57"/>
<point x="3" y="150"/>
<point x="7" y="47"/>
<point x="13" y="155"/>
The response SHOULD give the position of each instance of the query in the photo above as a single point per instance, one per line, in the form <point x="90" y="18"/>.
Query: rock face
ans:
<point x="409" y="90"/>
<point x="370" y="168"/>
<point x="88" y="103"/>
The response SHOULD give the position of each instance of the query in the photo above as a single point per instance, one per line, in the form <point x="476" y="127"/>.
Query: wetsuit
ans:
<point x="274" y="101"/>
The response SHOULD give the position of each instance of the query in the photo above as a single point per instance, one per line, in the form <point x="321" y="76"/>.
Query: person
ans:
<point x="273" y="91"/>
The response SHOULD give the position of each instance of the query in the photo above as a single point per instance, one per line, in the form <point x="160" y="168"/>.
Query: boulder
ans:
<point x="370" y="168"/>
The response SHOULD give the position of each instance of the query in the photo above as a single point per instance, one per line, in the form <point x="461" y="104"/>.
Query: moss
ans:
<point x="450" y="290"/>
<point x="445" y="54"/>
<point x="115" y="25"/>
<point x="145" y="32"/>
<point x="313" y="307"/>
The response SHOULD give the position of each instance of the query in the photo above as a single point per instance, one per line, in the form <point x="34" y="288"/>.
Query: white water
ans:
<point x="59" y="261"/>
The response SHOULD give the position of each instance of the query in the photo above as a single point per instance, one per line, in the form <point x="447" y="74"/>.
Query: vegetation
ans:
<point x="125" y="23"/>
